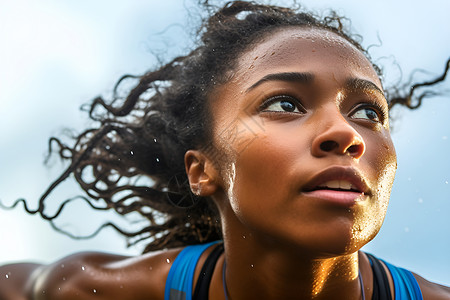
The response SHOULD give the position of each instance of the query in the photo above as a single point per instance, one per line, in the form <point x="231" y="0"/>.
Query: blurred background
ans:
<point x="56" y="55"/>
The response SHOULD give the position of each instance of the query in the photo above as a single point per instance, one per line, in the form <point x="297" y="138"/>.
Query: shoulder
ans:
<point x="106" y="276"/>
<point x="15" y="280"/>
<point x="431" y="290"/>
<point x="91" y="275"/>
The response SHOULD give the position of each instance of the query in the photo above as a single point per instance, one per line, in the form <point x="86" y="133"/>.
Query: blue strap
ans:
<point x="405" y="284"/>
<point x="181" y="275"/>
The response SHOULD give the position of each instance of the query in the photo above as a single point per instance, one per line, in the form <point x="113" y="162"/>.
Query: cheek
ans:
<point x="263" y="185"/>
<point x="382" y="162"/>
<point x="260" y="170"/>
<point x="385" y="165"/>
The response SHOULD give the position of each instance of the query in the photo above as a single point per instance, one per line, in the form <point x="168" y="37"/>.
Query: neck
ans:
<point x="258" y="271"/>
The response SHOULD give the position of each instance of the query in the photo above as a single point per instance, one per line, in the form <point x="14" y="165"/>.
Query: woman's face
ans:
<point x="306" y="154"/>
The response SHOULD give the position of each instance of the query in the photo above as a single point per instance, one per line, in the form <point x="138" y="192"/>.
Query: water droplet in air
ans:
<point x="83" y="268"/>
<point x="131" y="152"/>
<point x="252" y="265"/>
<point x="168" y="261"/>
<point x="157" y="159"/>
<point x="154" y="140"/>
<point x="94" y="290"/>
<point x="244" y="237"/>
<point x="7" y="276"/>
<point x="446" y="182"/>
<point x="64" y="278"/>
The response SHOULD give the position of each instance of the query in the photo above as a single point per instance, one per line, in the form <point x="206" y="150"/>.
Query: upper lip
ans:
<point x="349" y="174"/>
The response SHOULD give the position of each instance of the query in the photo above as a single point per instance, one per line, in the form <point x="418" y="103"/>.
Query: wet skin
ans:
<point x="279" y="141"/>
<point x="303" y="108"/>
<point x="338" y="124"/>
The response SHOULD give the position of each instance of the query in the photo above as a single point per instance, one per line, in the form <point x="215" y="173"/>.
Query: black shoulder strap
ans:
<point x="381" y="288"/>
<point x="204" y="280"/>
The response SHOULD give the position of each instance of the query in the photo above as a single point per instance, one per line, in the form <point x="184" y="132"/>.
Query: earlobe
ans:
<point x="201" y="173"/>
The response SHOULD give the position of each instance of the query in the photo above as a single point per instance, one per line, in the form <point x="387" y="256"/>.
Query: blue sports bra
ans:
<point x="181" y="277"/>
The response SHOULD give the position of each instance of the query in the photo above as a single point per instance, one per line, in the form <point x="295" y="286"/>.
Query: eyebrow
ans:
<point x="364" y="85"/>
<point x="287" y="76"/>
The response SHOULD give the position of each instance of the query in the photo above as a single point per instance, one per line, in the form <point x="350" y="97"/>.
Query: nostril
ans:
<point x="328" y="145"/>
<point x="354" y="149"/>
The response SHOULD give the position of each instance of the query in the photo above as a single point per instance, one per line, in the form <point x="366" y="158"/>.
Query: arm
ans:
<point x="432" y="291"/>
<point x="89" y="276"/>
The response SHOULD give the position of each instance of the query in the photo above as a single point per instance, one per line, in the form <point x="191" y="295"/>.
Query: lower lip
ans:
<point x="343" y="198"/>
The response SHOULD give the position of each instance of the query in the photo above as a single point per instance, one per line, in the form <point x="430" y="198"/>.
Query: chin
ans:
<point x="345" y="240"/>
<point x="330" y="243"/>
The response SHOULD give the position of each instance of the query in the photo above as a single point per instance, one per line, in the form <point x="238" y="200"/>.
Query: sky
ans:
<point x="56" y="55"/>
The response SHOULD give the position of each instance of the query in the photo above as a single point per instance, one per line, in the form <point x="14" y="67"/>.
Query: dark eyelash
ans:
<point x="273" y="99"/>
<point x="374" y="104"/>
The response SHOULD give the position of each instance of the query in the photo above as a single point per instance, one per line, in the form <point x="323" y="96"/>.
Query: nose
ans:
<point x="338" y="137"/>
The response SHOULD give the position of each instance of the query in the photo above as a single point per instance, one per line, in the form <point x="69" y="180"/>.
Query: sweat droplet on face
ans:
<point x="168" y="260"/>
<point x="231" y="180"/>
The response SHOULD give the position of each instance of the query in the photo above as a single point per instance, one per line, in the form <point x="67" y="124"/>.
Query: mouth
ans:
<point x="340" y="184"/>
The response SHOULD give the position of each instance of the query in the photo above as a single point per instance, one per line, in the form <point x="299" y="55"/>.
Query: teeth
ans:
<point x="338" y="184"/>
<point x="345" y="185"/>
<point x="332" y="184"/>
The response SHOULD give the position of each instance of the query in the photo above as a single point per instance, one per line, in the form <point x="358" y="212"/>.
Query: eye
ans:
<point x="368" y="113"/>
<point x="282" y="104"/>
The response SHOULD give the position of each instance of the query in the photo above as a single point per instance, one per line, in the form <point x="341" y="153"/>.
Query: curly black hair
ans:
<point x="132" y="160"/>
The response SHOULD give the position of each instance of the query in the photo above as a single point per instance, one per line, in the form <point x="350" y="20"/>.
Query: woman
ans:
<point x="272" y="135"/>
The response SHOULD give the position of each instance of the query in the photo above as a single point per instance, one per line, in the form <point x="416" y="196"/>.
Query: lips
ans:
<point x="338" y="184"/>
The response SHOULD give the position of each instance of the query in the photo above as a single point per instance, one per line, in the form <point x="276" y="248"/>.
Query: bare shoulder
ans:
<point x="91" y="275"/>
<point x="431" y="290"/>
<point x="15" y="280"/>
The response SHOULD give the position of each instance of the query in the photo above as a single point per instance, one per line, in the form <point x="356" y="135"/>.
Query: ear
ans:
<point x="201" y="173"/>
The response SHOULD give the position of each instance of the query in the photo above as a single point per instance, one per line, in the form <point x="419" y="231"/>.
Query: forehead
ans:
<point x="331" y="59"/>
<point x="304" y="49"/>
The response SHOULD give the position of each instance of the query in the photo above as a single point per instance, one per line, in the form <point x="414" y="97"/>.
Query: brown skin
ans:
<point x="281" y="242"/>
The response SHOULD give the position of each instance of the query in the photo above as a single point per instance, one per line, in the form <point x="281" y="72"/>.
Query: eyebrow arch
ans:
<point x="362" y="84"/>
<point x="287" y="76"/>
